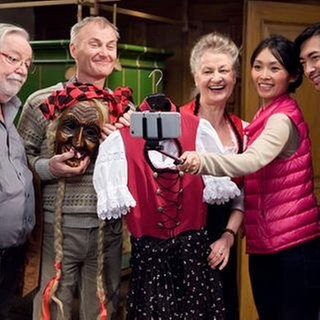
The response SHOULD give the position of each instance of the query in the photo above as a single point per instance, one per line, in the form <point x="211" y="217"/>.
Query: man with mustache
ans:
<point x="93" y="45"/>
<point x="309" y="44"/>
<point x="16" y="190"/>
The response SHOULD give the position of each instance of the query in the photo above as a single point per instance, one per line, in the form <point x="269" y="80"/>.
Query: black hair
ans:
<point x="286" y="52"/>
<point x="307" y="33"/>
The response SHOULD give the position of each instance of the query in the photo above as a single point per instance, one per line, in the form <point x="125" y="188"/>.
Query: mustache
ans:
<point x="16" y="78"/>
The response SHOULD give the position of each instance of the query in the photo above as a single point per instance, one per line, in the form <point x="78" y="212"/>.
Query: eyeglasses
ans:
<point x="17" y="62"/>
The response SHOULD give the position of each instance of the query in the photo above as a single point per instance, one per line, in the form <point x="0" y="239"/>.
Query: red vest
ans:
<point x="280" y="206"/>
<point x="167" y="203"/>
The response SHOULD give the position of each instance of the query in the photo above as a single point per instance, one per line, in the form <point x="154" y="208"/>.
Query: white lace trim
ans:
<point x="114" y="203"/>
<point x="219" y="190"/>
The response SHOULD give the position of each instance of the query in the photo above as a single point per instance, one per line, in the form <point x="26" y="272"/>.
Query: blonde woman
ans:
<point x="214" y="63"/>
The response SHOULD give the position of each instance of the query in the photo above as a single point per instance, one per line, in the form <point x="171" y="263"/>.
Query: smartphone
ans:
<point x="155" y="125"/>
<point x="158" y="102"/>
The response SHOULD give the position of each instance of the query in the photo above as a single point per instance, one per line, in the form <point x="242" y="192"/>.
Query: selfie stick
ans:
<point x="153" y="144"/>
<point x="176" y="160"/>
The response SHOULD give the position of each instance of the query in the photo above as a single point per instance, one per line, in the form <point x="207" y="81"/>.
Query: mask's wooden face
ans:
<point x="79" y="130"/>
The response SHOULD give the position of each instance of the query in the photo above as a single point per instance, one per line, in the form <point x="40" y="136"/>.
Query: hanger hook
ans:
<point x="160" y="77"/>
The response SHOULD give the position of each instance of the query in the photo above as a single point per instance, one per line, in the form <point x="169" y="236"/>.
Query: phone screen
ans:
<point x="156" y="125"/>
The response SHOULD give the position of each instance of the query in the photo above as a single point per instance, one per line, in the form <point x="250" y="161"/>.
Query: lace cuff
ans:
<point x="219" y="190"/>
<point x="114" y="203"/>
<point x="110" y="179"/>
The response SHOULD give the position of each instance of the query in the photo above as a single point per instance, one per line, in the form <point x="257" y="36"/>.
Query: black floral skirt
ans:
<point x="171" y="279"/>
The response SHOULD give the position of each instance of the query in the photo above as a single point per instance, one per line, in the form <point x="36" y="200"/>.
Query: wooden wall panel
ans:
<point x="203" y="17"/>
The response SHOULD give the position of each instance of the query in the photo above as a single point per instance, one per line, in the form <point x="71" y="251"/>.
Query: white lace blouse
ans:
<point x="110" y="178"/>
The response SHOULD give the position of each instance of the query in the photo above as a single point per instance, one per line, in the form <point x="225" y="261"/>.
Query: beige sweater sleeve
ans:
<point x="277" y="139"/>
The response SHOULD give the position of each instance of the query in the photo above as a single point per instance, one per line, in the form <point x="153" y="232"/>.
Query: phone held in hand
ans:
<point x="155" y="125"/>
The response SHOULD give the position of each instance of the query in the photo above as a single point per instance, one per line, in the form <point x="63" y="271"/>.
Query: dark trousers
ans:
<point x="11" y="266"/>
<point x="286" y="285"/>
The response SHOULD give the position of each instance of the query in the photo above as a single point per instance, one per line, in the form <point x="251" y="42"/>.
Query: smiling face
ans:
<point x="269" y="76"/>
<point x="215" y="78"/>
<point x="95" y="52"/>
<point x="310" y="60"/>
<point x="78" y="129"/>
<point x="12" y="76"/>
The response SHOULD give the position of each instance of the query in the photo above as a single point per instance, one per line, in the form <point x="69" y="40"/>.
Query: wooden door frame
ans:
<point x="254" y="12"/>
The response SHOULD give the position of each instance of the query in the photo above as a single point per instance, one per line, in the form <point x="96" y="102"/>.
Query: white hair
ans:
<point x="216" y="43"/>
<point x="7" y="29"/>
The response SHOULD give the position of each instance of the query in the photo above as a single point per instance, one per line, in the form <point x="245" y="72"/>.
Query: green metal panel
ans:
<point x="54" y="63"/>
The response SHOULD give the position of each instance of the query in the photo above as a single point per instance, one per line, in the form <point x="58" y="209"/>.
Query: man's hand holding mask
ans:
<point x="79" y="114"/>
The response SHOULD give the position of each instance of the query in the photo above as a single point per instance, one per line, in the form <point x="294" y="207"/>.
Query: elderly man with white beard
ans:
<point x="16" y="190"/>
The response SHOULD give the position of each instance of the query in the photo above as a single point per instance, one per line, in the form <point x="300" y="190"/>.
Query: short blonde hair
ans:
<point x="102" y="21"/>
<point x="216" y="43"/>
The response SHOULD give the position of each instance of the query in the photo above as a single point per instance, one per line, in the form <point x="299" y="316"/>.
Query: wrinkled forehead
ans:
<point x="83" y="113"/>
<point x="97" y="30"/>
<point x="216" y="57"/>
<point x="17" y="44"/>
